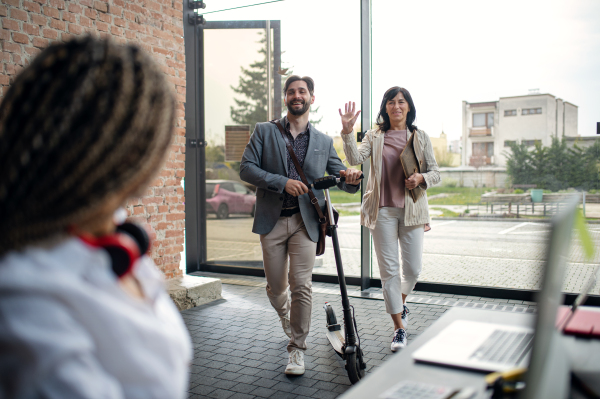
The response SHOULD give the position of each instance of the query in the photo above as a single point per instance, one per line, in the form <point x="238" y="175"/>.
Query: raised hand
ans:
<point x="349" y="117"/>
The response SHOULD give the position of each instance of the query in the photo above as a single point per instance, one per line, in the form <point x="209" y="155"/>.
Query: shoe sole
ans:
<point x="294" y="372"/>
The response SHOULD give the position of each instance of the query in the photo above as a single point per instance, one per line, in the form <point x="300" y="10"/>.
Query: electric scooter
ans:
<point x="343" y="338"/>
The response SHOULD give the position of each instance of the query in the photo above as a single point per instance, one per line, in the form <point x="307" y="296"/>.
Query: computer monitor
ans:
<point x="549" y="368"/>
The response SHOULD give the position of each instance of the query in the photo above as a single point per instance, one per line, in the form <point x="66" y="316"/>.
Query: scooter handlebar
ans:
<point x="326" y="182"/>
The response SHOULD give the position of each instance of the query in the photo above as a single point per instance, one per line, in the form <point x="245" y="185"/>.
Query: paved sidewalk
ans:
<point x="240" y="348"/>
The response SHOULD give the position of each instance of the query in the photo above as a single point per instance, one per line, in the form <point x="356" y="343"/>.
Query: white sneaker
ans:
<point x="399" y="340"/>
<point x="405" y="313"/>
<point x="285" y="323"/>
<point x="295" y="363"/>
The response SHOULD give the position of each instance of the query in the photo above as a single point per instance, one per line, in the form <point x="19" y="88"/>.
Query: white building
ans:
<point x="489" y="127"/>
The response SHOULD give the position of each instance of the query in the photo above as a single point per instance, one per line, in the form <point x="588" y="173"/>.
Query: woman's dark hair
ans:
<point x="86" y="119"/>
<point x="383" y="119"/>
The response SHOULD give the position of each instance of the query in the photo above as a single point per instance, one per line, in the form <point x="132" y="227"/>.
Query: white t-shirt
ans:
<point x="67" y="330"/>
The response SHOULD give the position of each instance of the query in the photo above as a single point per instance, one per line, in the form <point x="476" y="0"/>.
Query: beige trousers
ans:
<point x="290" y="239"/>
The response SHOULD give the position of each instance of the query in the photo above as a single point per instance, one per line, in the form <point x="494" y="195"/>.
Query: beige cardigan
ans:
<point x="372" y="146"/>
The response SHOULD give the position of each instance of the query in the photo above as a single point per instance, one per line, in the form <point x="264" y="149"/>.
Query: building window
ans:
<point x="483" y="149"/>
<point x="508" y="143"/>
<point x="531" y="143"/>
<point x="483" y="120"/>
<point x="531" y="111"/>
<point x="510" y="112"/>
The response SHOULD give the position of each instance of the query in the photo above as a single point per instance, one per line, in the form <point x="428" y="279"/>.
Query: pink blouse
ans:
<point x="391" y="192"/>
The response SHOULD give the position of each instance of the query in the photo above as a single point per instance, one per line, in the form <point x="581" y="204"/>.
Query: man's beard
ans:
<point x="298" y="112"/>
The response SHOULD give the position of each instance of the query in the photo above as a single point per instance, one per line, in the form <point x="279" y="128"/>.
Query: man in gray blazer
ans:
<point x="285" y="218"/>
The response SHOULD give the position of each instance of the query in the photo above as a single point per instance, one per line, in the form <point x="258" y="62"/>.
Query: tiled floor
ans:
<point x="240" y="348"/>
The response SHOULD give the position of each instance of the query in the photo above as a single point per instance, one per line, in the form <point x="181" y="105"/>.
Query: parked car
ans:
<point x="224" y="197"/>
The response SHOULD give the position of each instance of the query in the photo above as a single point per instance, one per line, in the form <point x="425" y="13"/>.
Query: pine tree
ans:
<point x="252" y="108"/>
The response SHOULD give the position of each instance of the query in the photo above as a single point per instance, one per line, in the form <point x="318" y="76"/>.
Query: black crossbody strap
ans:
<point x="290" y="150"/>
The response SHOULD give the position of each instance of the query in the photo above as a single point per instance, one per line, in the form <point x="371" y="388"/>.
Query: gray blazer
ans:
<point x="264" y="164"/>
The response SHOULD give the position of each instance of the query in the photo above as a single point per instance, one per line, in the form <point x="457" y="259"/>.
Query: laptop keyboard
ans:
<point x="504" y="347"/>
<point x="417" y="390"/>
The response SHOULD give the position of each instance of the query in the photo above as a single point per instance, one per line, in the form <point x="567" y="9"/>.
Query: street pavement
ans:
<point x="506" y="254"/>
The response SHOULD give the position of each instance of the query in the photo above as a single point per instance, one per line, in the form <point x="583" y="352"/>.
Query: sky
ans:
<point x="443" y="52"/>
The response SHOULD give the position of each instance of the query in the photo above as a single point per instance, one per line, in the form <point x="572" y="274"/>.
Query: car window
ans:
<point x="228" y="187"/>
<point x="210" y="190"/>
<point x="240" y="189"/>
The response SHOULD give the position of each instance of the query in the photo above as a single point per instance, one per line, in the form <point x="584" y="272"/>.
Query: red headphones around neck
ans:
<point x="124" y="247"/>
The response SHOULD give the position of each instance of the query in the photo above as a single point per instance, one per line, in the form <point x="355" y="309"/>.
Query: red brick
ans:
<point x="84" y="21"/>
<point x="32" y="7"/>
<point x="129" y="15"/>
<point x="20" y="38"/>
<point x="115" y="10"/>
<point x="10" y="24"/>
<point x="129" y="34"/>
<point x="4" y="34"/>
<point x="10" y="68"/>
<point x="14" y="3"/>
<point x="115" y="30"/>
<point x="39" y="42"/>
<point x="162" y="51"/>
<point x="102" y="26"/>
<point x="60" y="25"/>
<point x="32" y="51"/>
<point x="51" y="12"/>
<point x="75" y="8"/>
<point x="59" y="4"/>
<point x="75" y="29"/>
<point x="151" y="5"/>
<point x="69" y="17"/>
<point x="105" y="18"/>
<point x="3" y="11"/>
<point x="39" y="20"/>
<point x="175" y="216"/>
<point x="31" y="29"/>
<point x="11" y="48"/>
<point x="101" y="6"/>
<point x="4" y="80"/>
<point x="138" y="210"/>
<point x="88" y="12"/>
<point x="87" y="3"/>
<point x="50" y="34"/>
<point x="119" y="21"/>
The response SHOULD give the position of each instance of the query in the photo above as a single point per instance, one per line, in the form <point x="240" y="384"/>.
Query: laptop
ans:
<point x="497" y="347"/>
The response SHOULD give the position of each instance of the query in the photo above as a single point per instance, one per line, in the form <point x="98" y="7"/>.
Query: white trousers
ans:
<point x="388" y="230"/>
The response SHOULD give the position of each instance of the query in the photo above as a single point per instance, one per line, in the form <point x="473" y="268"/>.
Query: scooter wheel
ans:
<point x="330" y="314"/>
<point x="355" y="366"/>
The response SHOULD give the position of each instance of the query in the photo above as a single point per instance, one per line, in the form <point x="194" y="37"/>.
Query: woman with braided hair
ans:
<point x="83" y="313"/>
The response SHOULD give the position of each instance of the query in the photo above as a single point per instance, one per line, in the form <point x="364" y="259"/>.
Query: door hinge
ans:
<point x="195" y="4"/>
<point x="195" y="143"/>
<point x="196" y="19"/>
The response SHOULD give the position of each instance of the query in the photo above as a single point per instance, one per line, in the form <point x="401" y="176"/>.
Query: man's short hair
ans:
<point x="309" y="83"/>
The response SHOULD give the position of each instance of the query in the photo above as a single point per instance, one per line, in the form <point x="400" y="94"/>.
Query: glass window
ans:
<point x="531" y="111"/>
<point x="238" y="94"/>
<point x="510" y="112"/>
<point x="479" y="120"/>
<point x="508" y="143"/>
<point x="483" y="119"/>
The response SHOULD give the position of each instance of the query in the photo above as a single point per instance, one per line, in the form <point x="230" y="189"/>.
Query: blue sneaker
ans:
<point x="399" y="340"/>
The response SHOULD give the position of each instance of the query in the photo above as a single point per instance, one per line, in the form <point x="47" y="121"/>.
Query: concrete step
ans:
<point x="190" y="291"/>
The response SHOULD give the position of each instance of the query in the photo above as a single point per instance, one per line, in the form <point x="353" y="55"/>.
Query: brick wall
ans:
<point x="30" y="25"/>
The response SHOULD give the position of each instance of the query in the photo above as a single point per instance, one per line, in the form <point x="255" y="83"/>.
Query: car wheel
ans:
<point x="253" y="211"/>
<point x="223" y="212"/>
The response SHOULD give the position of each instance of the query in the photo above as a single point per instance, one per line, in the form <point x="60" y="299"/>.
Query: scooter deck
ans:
<point x="337" y="340"/>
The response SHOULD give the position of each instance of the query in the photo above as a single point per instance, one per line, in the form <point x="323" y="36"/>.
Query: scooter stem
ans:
<point x="348" y="324"/>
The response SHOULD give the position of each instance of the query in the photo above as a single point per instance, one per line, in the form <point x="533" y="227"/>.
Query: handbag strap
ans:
<point x="313" y="199"/>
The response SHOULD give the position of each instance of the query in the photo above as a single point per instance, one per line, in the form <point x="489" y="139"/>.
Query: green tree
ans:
<point x="518" y="164"/>
<point x="252" y="88"/>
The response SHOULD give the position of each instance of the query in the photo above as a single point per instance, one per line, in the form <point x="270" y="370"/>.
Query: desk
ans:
<point x="584" y="354"/>
<point x="402" y="366"/>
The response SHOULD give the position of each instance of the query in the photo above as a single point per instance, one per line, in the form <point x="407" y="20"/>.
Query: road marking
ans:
<point x="514" y="228"/>
<point x="443" y="223"/>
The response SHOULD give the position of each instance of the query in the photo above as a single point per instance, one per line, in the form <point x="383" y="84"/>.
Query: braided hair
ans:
<point x="87" y="118"/>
